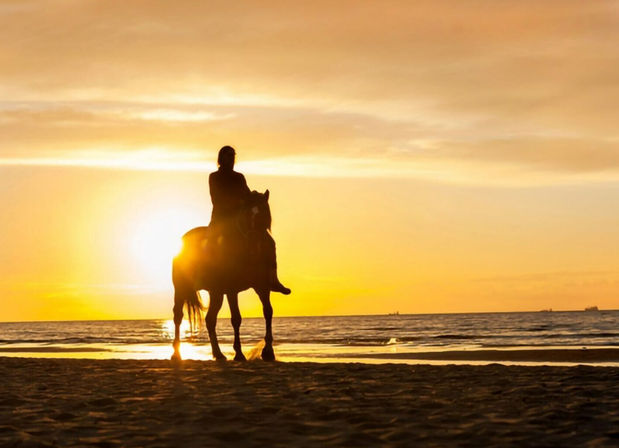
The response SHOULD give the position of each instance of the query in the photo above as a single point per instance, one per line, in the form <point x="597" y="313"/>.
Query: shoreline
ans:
<point x="68" y="402"/>
<point x="546" y="356"/>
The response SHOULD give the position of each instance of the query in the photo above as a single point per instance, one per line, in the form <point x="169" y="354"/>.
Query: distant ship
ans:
<point x="592" y="308"/>
<point x="547" y="310"/>
<point x="397" y="313"/>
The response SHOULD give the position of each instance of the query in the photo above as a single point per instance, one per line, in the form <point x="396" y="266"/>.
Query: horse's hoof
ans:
<point x="220" y="357"/>
<point x="240" y="357"/>
<point x="176" y="356"/>
<point x="268" y="354"/>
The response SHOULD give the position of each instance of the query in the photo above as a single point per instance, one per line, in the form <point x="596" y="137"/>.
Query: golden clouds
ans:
<point x="491" y="86"/>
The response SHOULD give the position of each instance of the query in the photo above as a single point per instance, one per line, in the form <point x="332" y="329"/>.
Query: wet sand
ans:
<point x="594" y="355"/>
<point x="67" y="402"/>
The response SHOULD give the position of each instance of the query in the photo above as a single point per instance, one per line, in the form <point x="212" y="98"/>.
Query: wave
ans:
<point x="440" y="331"/>
<point x="85" y="340"/>
<point x="52" y="349"/>
<point x="344" y="340"/>
<point x="457" y="336"/>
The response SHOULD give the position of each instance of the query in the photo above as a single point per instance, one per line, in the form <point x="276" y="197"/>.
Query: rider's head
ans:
<point x="226" y="156"/>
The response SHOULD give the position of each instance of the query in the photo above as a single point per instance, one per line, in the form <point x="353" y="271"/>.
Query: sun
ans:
<point x="156" y="240"/>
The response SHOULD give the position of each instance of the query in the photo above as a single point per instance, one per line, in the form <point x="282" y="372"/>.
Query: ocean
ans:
<point x="322" y="339"/>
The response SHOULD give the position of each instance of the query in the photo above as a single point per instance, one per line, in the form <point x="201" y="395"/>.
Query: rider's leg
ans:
<point x="271" y="259"/>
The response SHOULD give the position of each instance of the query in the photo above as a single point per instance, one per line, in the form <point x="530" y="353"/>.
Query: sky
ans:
<point x="423" y="157"/>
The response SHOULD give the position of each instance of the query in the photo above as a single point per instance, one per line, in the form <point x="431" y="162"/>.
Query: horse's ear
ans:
<point x="266" y="195"/>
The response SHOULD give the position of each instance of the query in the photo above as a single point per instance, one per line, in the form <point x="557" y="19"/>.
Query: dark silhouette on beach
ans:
<point x="234" y="253"/>
<point x="229" y="194"/>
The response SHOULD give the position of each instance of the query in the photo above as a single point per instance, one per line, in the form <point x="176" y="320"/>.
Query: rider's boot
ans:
<point x="276" y="285"/>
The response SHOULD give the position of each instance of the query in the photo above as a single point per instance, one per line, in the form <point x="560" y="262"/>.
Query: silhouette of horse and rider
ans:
<point x="234" y="253"/>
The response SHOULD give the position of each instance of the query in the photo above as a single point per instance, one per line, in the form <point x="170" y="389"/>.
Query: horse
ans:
<point x="207" y="261"/>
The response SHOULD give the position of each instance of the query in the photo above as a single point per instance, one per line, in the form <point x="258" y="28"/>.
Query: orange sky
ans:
<point x="438" y="156"/>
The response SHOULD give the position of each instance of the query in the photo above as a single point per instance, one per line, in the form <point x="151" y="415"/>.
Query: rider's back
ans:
<point x="229" y="191"/>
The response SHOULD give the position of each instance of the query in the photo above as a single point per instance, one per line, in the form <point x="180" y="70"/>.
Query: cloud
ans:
<point x="542" y="153"/>
<point x="456" y="87"/>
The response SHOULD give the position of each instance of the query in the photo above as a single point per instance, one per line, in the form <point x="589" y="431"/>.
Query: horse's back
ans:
<point x="208" y="263"/>
<point x="196" y="232"/>
<point x="217" y="263"/>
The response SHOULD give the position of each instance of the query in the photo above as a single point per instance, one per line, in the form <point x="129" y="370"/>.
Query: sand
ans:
<point x="62" y="402"/>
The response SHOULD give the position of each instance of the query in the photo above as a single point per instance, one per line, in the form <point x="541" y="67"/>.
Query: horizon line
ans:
<point x="324" y="315"/>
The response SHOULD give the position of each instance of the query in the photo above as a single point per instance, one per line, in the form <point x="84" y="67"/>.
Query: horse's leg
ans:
<point x="233" y="302"/>
<point x="179" y="301"/>
<point x="216" y="300"/>
<point x="267" y="310"/>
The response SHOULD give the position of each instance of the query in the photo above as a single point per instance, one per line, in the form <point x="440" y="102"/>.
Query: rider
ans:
<point x="229" y="192"/>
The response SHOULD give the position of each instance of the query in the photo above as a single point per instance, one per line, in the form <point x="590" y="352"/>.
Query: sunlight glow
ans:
<point x="187" y="349"/>
<point x="168" y="328"/>
<point x="156" y="240"/>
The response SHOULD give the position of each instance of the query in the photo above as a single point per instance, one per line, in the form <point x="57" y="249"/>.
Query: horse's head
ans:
<point x="259" y="212"/>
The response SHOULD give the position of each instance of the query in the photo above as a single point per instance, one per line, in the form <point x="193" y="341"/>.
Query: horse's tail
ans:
<point x="186" y="296"/>
<point x="195" y="307"/>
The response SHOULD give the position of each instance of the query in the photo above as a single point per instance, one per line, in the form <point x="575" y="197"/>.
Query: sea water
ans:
<point x="324" y="338"/>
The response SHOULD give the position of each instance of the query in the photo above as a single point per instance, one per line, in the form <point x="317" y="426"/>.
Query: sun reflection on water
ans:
<point x="167" y="329"/>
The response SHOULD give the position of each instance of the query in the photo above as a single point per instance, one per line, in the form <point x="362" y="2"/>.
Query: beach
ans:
<point x="70" y="402"/>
